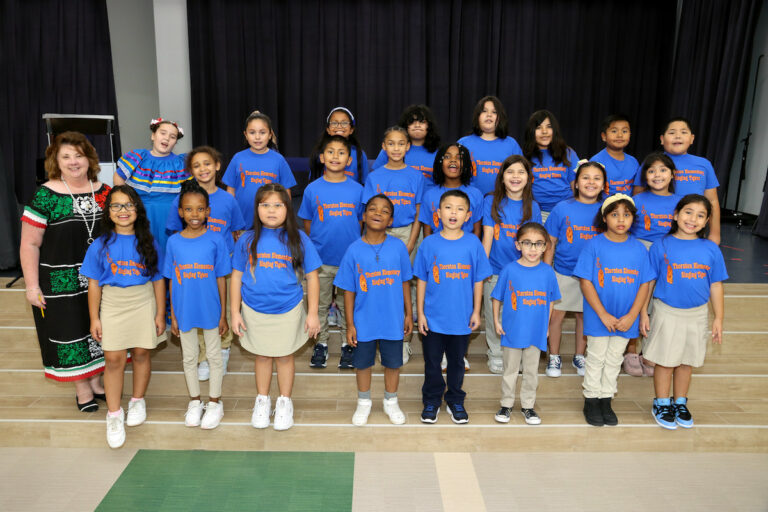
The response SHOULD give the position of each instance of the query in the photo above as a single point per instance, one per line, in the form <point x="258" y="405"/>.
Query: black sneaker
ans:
<point x="682" y="414"/>
<point x="429" y="414"/>
<point x="664" y="414"/>
<point x="458" y="413"/>
<point x="319" y="356"/>
<point x="609" y="417"/>
<point x="531" y="417"/>
<point x="592" y="412"/>
<point x="503" y="415"/>
<point x="347" y="361"/>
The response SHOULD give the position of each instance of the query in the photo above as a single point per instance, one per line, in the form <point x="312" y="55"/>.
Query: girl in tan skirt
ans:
<point x="126" y="301"/>
<point x="266" y="297"/>
<point x="690" y="270"/>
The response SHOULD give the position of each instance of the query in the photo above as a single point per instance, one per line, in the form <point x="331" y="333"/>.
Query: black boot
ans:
<point x="609" y="417"/>
<point x="592" y="412"/>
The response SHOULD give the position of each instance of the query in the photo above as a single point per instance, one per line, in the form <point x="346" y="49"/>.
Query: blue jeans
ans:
<point x="454" y="346"/>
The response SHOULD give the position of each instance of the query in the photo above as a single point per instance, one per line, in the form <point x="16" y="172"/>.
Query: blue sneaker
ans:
<point x="458" y="413"/>
<point x="347" y="360"/>
<point x="429" y="414"/>
<point x="663" y="413"/>
<point x="682" y="414"/>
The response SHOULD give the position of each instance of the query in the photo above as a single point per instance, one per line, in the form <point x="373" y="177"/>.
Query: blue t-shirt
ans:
<point x="616" y="269"/>
<point x="417" y="157"/>
<point x="487" y="157"/>
<point x="526" y="293"/>
<point x="248" y="171"/>
<point x="450" y="268"/>
<point x="654" y="215"/>
<point x="152" y="174"/>
<point x="552" y="181"/>
<point x="117" y="264"/>
<point x="572" y="223"/>
<point x="376" y="274"/>
<point x="193" y="265"/>
<point x="335" y="210"/>
<point x="503" y="250"/>
<point x="685" y="270"/>
<point x="430" y="204"/>
<point x="620" y="173"/>
<point x="404" y="187"/>
<point x="273" y="288"/>
<point x="351" y="169"/>
<point x="694" y="174"/>
<point x="225" y="217"/>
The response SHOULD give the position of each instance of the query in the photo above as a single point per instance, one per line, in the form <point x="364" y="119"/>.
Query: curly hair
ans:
<point x="82" y="144"/>
<point x="438" y="175"/>
<point x="422" y="113"/>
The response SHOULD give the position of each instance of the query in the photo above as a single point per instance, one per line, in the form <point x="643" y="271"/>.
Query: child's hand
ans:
<point x="96" y="330"/>
<point x="351" y="336"/>
<point x="609" y="321"/>
<point x="423" y="327"/>
<point x="160" y="324"/>
<point x="312" y="325"/>
<point x="499" y="328"/>
<point x="624" y="323"/>
<point x="645" y="323"/>
<point x="223" y="326"/>
<point x="717" y="331"/>
<point x="175" y="326"/>
<point x="410" y="246"/>
<point x="408" y="325"/>
<point x="238" y="326"/>
<point x="474" y="321"/>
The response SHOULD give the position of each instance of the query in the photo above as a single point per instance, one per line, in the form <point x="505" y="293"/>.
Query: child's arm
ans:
<point x="174" y="320"/>
<point x="549" y="254"/>
<point x="307" y="225"/>
<point x="415" y="228"/>
<point x="421" y="291"/>
<point x="231" y="190"/>
<point x="645" y="320"/>
<point x="477" y="300"/>
<point x="408" y="322"/>
<point x="427" y="230"/>
<point x="487" y="240"/>
<point x="312" y="324"/>
<point x="637" y="189"/>
<point x="549" y="317"/>
<point x="235" y="298"/>
<point x="159" y="288"/>
<point x="714" y="224"/>
<point x="496" y="319"/>
<point x="221" y="282"/>
<point x="718" y="306"/>
<point x="349" y="313"/>
<point x="476" y="229"/>
<point x="94" y="302"/>
<point x="590" y="294"/>
<point x="626" y="321"/>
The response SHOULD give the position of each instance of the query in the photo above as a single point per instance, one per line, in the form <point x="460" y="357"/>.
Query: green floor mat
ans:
<point x="199" y="481"/>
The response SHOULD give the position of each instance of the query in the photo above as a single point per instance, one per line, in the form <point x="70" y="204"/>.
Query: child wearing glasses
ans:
<point x="340" y="122"/>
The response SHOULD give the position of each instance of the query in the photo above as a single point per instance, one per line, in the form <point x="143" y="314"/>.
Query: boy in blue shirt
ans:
<point x="450" y="266"/>
<point x="620" y="168"/>
<point x="331" y="209"/>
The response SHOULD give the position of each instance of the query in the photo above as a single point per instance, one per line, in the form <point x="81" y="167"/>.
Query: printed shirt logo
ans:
<point x="257" y="177"/>
<point x="691" y="175"/>
<point x="568" y="230"/>
<point x="600" y="274"/>
<point x="319" y="209"/>
<point x="124" y="268"/>
<point x="670" y="274"/>
<point x="435" y="216"/>
<point x="646" y="219"/>
<point x="381" y="277"/>
<point x="363" y="282"/>
<point x="451" y="270"/>
<point x="496" y="231"/>
<point x="339" y="209"/>
<point x="192" y="271"/>
<point x="512" y="296"/>
<point x="528" y="298"/>
<point x="435" y="271"/>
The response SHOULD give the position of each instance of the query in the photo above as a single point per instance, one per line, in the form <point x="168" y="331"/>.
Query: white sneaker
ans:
<point x="554" y="366"/>
<point x="392" y="409"/>
<point x="406" y="352"/>
<point x="194" y="413"/>
<point x="261" y="411"/>
<point x="116" y="430"/>
<point x="283" y="413"/>
<point x="224" y="361"/>
<point x="203" y="371"/>
<point x="362" y="412"/>
<point x="495" y="365"/>
<point x="466" y="364"/>
<point x="444" y="364"/>
<point x="214" y="411"/>
<point x="137" y="412"/>
<point x="580" y="363"/>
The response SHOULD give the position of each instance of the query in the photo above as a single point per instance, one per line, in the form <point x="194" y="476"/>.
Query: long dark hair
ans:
<point x="315" y="167"/>
<point x="685" y="201"/>
<point x="145" y="242"/>
<point x="289" y="231"/>
<point x="500" y="191"/>
<point x="557" y="148"/>
<point x="502" y="124"/>
<point x="422" y="113"/>
<point x="438" y="175"/>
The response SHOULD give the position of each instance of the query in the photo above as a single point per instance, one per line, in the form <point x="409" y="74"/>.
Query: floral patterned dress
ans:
<point x="68" y="350"/>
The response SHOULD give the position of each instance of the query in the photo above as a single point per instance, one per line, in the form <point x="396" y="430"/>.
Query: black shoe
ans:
<point x="91" y="406"/>
<point x="592" y="412"/>
<point x="347" y="361"/>
<point x="319" y="356"/>
<point x="100" y="396"/>
<point x="609" y="417"/>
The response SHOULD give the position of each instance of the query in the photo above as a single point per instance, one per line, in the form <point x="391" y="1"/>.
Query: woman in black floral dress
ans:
<point x="58" y="225"/>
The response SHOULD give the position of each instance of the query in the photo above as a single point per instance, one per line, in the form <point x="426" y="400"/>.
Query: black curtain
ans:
<point x="55" y="58"/>
<point x="711" y="74"/>
<point x="294" y="60"/>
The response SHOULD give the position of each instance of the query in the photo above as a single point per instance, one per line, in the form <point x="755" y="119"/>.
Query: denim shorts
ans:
<point x="391" y="353"/>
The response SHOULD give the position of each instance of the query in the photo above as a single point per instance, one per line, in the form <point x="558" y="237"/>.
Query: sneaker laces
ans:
<point x="682" y="410"/>
<point x="429" y="408"/>
<point x="664" y="411"/>
<point x="457" y="408"/>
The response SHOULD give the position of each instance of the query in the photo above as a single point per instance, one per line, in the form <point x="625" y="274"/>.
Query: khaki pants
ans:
<point x="512" y="356"/>
<point x="226" y="340"/>
<point x="189" y="353"/>
<point x="491" y="338"/>
<point x="326" y="274"/>
<point x="604" y="357"/>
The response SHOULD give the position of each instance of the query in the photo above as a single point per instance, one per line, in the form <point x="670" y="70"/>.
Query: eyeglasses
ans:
<point x="116" y="207"/>
<point x="527" y="244"/>
<point x="339" y="124"/>
<point x="267" y="206"/>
